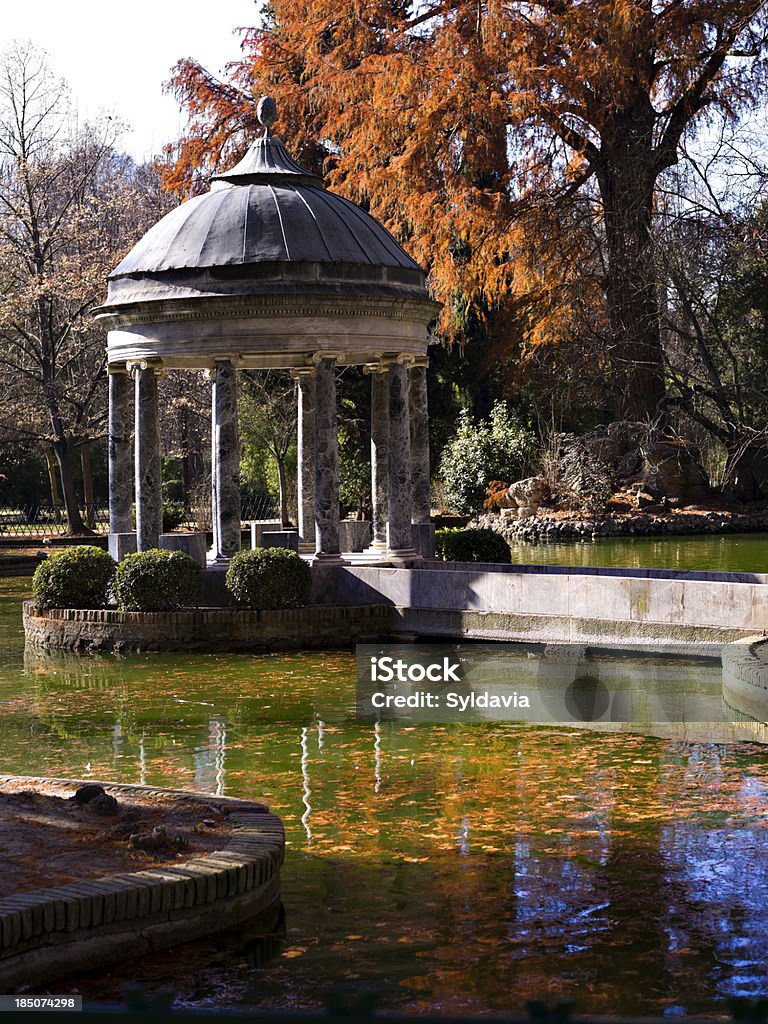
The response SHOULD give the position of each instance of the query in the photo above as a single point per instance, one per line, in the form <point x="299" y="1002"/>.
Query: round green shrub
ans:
<point x="472" y="546"/>
<point x="174" y="514"/>
<point x="76" y="578"/>
<point x="269" y="578"/>
<point x="157" y="581"/>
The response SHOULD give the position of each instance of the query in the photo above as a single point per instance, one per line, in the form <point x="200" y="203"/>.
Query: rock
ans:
<point x="85" y="794"/>
<point x="528" y="494"/>
<point x="671" y="469"/>
<point x="159" y="840"/>
<point x="104" y="804"/>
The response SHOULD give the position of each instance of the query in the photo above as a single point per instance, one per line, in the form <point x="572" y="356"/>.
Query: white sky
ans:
<point x="116" y="56"/>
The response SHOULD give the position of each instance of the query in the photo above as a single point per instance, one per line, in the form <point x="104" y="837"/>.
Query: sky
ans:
<point x="116" y="57"/>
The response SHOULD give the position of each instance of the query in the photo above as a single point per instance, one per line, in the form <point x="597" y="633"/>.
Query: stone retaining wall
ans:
<point x="206" y="629"/>
<point x="50" y="932"/>
<point x="567" y="606"/>
<point x="745" y="676"/>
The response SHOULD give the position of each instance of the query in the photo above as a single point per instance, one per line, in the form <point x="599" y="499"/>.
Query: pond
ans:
<point x="734" y="552"/>
<point x="450" y="868"/>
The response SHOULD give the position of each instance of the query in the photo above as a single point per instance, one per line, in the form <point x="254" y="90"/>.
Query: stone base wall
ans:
<point x="50" y="932"/>
<point x="208" y="629"/>
<point x="567" y="606"/>
<point x="745" y="676"/>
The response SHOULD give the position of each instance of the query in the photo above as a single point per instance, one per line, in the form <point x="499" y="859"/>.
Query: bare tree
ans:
<point x="69" y="206"/>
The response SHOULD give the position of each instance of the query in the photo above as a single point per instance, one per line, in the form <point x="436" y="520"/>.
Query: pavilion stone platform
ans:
<point x="270" y="270"/>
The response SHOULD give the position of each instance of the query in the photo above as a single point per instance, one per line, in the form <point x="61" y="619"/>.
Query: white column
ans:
<point x="120" y="458"/>
<point x="305" y="379"/>
<point x="225" y="462"/>
<point x="379" y="452"/>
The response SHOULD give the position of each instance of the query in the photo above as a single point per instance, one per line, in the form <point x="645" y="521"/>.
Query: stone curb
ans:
<point x="745" y="676"/>
<point x="208" y="629"/>
<point x="46" y="932"/>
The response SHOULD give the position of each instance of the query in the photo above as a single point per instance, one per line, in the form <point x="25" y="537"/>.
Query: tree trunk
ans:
<point x="746" y="472"/>
<point x="85" y="465"/>
<point x="75" y="524"/>
<point x="626" y="176"/>
<point x="53" y="483"/>
<point x="285" y="520"/>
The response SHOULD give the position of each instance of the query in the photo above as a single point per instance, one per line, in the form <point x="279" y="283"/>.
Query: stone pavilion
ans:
<point x="270" y="269"/>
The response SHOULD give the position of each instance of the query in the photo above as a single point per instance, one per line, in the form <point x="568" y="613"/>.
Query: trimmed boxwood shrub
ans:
<point x="76" y="578"/>
<point x="472" y="546"/>
<point x="269" y="578"/>
<point x="157" y="581"/>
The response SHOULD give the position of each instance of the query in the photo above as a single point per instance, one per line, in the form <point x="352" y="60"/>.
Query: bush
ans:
<point x="472" y="546"/>
<point x="174" y="514"/>
<point x="76" y="578"/>
<point x="157" y="581"/>
<point x="494" y="449"/>
<point x="269" y="578"/>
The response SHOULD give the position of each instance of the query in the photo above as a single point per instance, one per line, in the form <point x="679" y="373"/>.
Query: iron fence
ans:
<point x="41" y="521"/>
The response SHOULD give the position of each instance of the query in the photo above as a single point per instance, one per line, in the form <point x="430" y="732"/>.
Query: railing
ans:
<point x="38" y="521"/>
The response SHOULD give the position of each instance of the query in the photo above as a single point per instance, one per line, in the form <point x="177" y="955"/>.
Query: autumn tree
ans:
<point x="466" y="127"/>
<point x="69" y="206"/>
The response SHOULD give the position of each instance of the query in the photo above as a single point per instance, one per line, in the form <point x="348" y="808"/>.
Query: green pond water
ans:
<point x="449" y="868"/>
<point x="736" y="552"/>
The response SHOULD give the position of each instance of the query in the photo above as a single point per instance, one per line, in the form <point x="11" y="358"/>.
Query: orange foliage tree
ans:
<point x="514" y="147"/>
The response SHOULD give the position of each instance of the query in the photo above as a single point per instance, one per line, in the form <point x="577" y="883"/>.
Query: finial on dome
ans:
<point x="267" y="113"/>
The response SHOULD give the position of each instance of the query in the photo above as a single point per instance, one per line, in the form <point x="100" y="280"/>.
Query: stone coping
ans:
<point x="49" y="932"/>
<point x="206" y="629"/>
<point x="745" y="676"/>
<point x="703" y="575"/>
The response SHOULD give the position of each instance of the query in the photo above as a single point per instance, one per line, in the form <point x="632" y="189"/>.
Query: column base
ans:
<point x="121" y="544"/>
<point x="404" y="558"/>
<point x="324" y="558"/>
<point x="217" y="559"/>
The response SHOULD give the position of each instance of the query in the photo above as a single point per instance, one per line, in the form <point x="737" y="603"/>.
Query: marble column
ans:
<point x="149" y="501"/>
<point x="326" y="460"/>
<point x="419" y="416"/>
<point x="379" y="454"/>
<point x="225" y="462"/>
<point x="400" y="533"/>
<point x="306" y="456"/>
<point x="119" y="447"/>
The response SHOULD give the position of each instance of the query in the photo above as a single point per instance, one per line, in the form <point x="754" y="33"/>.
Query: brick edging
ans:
<point x="45" y="932"/>
<point x="208" y="629"/>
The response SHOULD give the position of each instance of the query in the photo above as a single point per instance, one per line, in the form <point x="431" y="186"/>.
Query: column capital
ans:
<point x="422" y="361"/>
<point x="379" y="367"/>
<point x="154" y="363"/>
<point x="302" y="371"/>
<point x="318" y="357"/>
<point x="397" y="359"/>
<point x="118" y="368"/>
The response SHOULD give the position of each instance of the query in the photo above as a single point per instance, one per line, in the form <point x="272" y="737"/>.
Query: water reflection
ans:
<point x="455" y="868"/>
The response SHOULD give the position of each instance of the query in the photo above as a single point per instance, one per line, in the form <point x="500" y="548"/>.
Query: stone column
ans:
<point x="419" y="416"/>
<point x="225" y="462"/>
<point x="326" y="459"/>
<point x="149" y="501"/>
<point x="400" y="533"/>
<point x="306" y="457"/>
<point x="379" y="453"/>
<point x="119" y="444"/>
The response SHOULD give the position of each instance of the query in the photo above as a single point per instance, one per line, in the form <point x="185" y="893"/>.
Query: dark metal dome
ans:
<point x="268" y="208"/>
<point x="272" y="262"/>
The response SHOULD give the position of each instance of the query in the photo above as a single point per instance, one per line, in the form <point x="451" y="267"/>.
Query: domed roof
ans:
<point x="267" y="208"/>
<point x="271" y="266"/>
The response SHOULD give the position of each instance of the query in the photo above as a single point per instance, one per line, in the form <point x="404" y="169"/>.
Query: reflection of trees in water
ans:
<point x="67" y="670"/>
